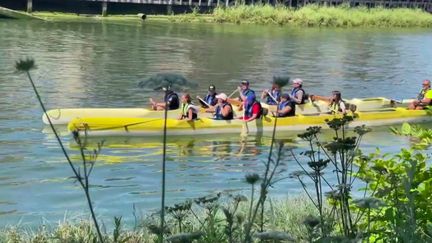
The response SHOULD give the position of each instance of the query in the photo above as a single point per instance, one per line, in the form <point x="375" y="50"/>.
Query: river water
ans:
<point x="99" y="65"/>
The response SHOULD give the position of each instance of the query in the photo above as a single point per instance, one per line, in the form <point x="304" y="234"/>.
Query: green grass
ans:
<point x="283" y="215"/>
<point x="314" y="16"/>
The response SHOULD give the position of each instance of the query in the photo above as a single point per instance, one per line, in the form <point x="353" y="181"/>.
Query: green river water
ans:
<point x="100" y="65"/>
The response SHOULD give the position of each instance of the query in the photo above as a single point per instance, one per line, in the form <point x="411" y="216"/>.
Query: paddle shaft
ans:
<point x="203" y="101"/>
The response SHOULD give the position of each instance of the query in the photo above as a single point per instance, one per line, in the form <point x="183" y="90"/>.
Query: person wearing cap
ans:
<point x="210" y="98"/>
<point x="272" y="96"/>
<point x="298" y="93"/>
<point x="245" y="91"/>
<point x="252" y="109"/>
<point x="424" y="97"/>
<point x="171" y="98"/>
<point x="222" y="110"/>
<point x="336" y="103"/>
<point x="189" y="111"/>
<point x="286" y="107"/>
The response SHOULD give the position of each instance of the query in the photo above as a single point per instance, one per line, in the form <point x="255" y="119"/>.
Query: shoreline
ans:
<point x="309" y="16"/>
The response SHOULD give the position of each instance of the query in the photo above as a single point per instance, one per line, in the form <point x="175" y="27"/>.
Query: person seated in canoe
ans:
<point x="298" y="94"/>
<point x="171" y="98"/>
<point x="424" y="98"/>
<point x="222" y="110"/>
<point x="189" y="111"/>
<point x="245" y="93"/>
<point x="336" y="103"/>
<point x="286" y="107"/>
<point x="272" y="97"/>
<point x="210" y="98"/>
<point x="252" y="109"/>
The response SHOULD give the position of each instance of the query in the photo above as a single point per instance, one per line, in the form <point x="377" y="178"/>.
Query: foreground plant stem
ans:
<point x="83" y="184"/>
<point x="162" y="216"/>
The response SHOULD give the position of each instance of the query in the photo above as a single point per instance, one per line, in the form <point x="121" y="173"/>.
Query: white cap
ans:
<point x="297" y="81"/>
<point x="222" y="96"/>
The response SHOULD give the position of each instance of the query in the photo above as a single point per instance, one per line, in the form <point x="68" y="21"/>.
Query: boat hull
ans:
<point x="154" y="127"/>
<point x="64" y="116"/>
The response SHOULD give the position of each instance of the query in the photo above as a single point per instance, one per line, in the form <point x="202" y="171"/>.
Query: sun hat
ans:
<point x="298" y="81"/>
<point x="222" y="96"/>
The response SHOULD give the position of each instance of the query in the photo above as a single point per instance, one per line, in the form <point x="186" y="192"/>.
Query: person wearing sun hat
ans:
<point x="210" y="98"/>
<point x="297" y="93"/>
<point x="222" y="110"/>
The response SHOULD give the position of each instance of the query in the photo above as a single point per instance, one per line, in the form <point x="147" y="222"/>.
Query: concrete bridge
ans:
<point x="105" y="7"/>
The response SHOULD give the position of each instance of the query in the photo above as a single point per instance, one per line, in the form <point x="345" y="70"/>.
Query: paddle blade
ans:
<point x="170" y="81"/>
<point x="281" y="81"/>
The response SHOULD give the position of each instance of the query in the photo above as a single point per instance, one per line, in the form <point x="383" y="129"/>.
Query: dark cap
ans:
<point x="212" y="87"/>
<point x="245" y="82"/>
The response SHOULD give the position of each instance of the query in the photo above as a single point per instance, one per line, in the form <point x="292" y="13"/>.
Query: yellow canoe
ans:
<point x="108" y="126"/>
<point x="64" y="116"/>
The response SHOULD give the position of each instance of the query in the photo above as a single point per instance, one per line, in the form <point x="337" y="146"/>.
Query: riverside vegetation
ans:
<point x="309" y="16"/>
<point x="394" y="207"/>
<point x="313" y="16"/>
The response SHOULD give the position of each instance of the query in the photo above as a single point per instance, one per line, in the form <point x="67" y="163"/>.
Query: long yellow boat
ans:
<point x="108" y="126"/>
<point x="64" y="116"/>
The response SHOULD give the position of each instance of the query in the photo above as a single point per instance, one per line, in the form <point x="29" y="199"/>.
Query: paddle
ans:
<point x="203" y="101"/>
<point x="235" y="91"/>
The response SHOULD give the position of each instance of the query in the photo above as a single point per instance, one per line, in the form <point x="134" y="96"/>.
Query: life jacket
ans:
<point x="210" y="99"/>
<point x="173" y="100"/>
<point x="249" y="109"/>
<point x="248" y="93"/>
<point x="218" y="112"/>
<point x="276" y="94"/>
<point x="294" y="92"/>
<point x="185" y="111"/>
<point x="335" y="107"/>
<point x="422" y="94"/>
<point x="283" y="105"/>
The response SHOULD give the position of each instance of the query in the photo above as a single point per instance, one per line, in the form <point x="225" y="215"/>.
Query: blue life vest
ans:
<point x="294" y="92"/>
<point x="283" y="105"/>
<point x="173" y="100"/>
<point x="249" y="109"/>
<point x="211" y="99"/>
<point x="276" y="94"/>
<point x="218" y="112"/>
<point x="248" y="93"/>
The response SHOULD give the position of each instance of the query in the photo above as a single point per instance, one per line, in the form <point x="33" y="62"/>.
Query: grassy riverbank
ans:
<point x="316" y="16"/>
<point x="286" y="215"/>
<point x="309" y="16"/>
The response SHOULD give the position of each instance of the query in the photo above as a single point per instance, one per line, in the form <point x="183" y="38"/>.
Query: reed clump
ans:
<point x="313" y="16"/>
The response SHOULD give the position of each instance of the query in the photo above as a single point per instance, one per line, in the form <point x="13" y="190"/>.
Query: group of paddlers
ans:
<point x="221" y="105"/>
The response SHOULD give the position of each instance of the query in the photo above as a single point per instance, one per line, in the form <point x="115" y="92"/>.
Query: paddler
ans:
<point x="189" y="111"/>
<point x="298" y="94"/>
<point x="171" y="98"/>
<point x="286" y="107"/>
<point x="222" y="110"/>
<point x="272" y="96"/>
<point x="336" y="103"/>
<point x="424" y="97"/>
<point x="210" y="98"/>
<point x="252" y="109"/>
<point x="245" y="91"/>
